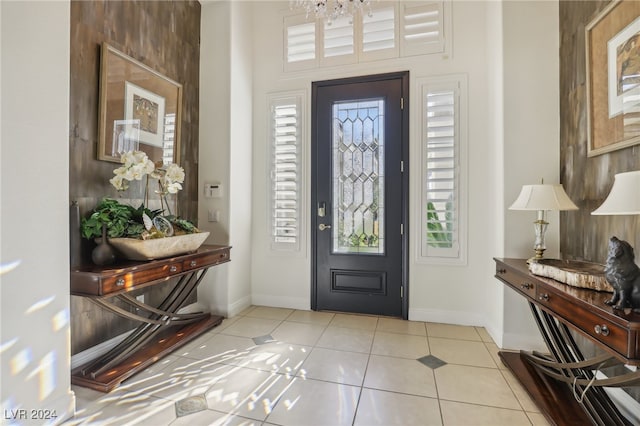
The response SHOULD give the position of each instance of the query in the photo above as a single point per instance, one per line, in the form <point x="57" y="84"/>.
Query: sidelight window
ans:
<point x="443" y="215"/>
<point x="285" y="140"/>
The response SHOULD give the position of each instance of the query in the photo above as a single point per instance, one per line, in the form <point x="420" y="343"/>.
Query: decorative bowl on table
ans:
<point x="158" y="248"/>
<point x="572" y="272"/>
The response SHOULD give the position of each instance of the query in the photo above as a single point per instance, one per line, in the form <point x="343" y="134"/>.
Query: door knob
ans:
<point x="322" y="226"/>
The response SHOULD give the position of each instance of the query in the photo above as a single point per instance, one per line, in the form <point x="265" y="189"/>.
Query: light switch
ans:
<point x="214" y="216"/>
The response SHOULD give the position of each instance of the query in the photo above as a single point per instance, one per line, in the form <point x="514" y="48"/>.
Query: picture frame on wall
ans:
<point x="139" y="109"/>
<point x="612" y="42"/>
<point x="145" y="109"/>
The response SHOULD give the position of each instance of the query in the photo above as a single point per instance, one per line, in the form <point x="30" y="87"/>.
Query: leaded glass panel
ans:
<point x="358" y="176"/>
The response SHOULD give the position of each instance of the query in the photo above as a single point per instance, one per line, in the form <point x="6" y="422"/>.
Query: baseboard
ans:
<point x="495" y="334"/>
<point x="238" y="306"/>
<point x="515" y="341"/>
<point x="94" y="352"/>
<point x="446" y="317"/>
<point x="301" y="303"/>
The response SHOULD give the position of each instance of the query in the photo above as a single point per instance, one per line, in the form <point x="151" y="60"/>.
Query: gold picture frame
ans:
<point x="612" y="81"/>
<point x="140" y="109"/>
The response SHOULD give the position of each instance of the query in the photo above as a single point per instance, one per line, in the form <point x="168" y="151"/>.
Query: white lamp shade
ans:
<point x="543" y="197"/>
<point x="624" y="197"/>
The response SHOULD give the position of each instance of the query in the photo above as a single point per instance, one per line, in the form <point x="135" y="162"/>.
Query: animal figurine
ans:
<point x="623" y="274"/>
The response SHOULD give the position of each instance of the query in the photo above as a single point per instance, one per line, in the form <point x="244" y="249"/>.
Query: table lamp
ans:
<point x="621" y="271"/>
<point x="542" y="198"/>
<point x="624" y="197"/>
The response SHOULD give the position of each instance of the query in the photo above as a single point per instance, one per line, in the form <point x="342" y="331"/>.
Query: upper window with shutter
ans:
<point x="380" y="33"/>
<point x="443" y="214"/>
<point x="422" y="28"/>
<point x="338" y="43"/>
<point x="390" y="30"/>
<point x="285" y="171"/>
<point x="300" y="43"/>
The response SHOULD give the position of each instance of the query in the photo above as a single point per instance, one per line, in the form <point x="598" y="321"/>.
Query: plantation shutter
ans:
<point x="378" y="30"/>
<point x="441" y="179"/>
<point x="422" y="28"/>
<point x="338" y="46"/>
<point x="285" y="173"/>
<point x="300" y="43"/>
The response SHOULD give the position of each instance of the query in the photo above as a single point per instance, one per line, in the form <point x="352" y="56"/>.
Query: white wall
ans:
<point x="34" y="219"/>
<point x="225" y="140"/>
<point x="531" y="140"/>
<point x="494" y="296"/>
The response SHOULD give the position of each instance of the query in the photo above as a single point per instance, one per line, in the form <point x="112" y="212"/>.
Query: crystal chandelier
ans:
<point x="332" y="9"/>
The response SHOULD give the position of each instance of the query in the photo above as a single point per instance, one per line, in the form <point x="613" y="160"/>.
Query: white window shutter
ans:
<point x="443" y="215"/>
<point x="299" y="43"/>
<point x="285" y="172"/>
<point x="338" y="42"/>
<point x="422" y="28"/>
<point x="380" y="33"/>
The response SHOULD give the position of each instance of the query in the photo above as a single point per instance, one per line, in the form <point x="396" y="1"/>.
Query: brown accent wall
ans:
<point x="164" y="35"/>
<point x="587" y="180"/>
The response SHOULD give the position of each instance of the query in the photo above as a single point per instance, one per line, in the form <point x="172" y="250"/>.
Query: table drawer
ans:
<point x="522" y="283"/>
<point x="606" y="332"/>
<point x="208" y="260"/>
<point x="131" y="279"/>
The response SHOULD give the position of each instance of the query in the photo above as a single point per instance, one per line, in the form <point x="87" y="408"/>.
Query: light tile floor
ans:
<point x="319" y="368"/>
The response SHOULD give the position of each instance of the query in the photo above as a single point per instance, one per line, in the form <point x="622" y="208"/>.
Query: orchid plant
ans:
<point x="125" y="221"/>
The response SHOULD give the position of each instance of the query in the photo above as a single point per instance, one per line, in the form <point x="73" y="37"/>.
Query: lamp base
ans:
<point x="538" y="256"/>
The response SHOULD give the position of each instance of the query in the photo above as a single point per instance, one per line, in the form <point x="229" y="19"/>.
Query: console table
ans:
<point x="162" y="329"/>
<point x="557" y="380"/>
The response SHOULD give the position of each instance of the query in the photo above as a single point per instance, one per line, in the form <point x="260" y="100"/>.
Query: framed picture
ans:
<point x="613" y="78"/>
<point x="140" y="109"/>
<point x="146" y="109"/>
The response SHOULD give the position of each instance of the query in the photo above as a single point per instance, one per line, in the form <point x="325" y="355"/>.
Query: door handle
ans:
<point x="322" y="226"/>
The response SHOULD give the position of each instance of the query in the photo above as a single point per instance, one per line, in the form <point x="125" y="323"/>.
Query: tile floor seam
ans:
<point x="399" y="393"/>
<point x="502" y="372"/>
<point x="487" y="406"/>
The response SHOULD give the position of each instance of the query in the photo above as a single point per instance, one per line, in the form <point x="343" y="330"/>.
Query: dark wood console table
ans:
<point x="162" y="329"/>
<point x="553" y="380"/>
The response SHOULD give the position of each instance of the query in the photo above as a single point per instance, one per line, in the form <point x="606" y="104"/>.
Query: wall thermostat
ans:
<point x="213" y="190"/>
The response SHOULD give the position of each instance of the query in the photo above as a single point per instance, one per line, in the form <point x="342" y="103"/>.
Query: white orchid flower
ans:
<point x="137" y="165"/>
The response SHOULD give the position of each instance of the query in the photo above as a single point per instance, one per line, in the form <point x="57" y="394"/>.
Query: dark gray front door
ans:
<point x="359" y="194"/>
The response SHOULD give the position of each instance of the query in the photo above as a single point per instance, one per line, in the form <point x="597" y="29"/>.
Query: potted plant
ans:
<point x="141" y="233"/>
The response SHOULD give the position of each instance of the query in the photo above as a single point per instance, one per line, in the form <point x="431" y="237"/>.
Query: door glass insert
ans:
<point x="358" y="176"/>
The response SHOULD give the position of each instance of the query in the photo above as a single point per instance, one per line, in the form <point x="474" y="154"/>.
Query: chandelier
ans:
<point x="332" y="9"/>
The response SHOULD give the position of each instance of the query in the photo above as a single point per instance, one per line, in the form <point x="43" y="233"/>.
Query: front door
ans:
<point x="360" y="195"/>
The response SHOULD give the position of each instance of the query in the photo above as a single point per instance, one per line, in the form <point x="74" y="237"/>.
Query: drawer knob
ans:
<point x="173" y="268"/>
<point x="193" y="263"/>
<point x="603" y="330"/>
<point x="501" y="271"/>
<point x="527" y="286"/>
<point x="544" y="297"/>
<point x="120" y="282"/>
